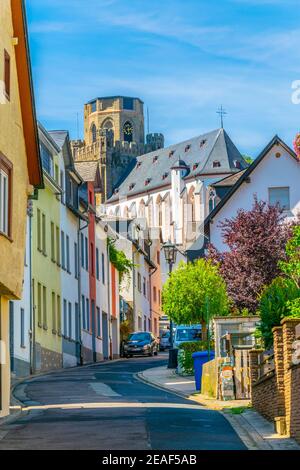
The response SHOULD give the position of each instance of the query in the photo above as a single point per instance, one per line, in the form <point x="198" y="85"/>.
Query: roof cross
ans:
<point x="221" y="111"/>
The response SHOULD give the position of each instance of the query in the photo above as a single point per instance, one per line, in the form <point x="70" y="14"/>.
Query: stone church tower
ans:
<point x="114" y="135"/>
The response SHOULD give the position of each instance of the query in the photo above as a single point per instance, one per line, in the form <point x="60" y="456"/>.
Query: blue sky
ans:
<point x="183" y="58"/>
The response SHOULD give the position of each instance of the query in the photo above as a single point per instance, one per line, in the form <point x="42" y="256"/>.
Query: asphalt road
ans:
<point x="105" y="407"/>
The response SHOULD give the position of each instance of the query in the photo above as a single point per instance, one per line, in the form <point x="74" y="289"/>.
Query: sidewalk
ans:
<point x="255" y="431"/>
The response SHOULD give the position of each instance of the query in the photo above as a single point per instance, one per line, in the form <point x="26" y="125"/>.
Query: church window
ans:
<point x="128" y="132"/>
<point x="216" y="164"/>
<point x="94" y="133"/>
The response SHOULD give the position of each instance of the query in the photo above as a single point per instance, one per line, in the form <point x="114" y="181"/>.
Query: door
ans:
<point x="241" y="374"/>
<point x="105" y="336"/>
<point x="94" y="331"/>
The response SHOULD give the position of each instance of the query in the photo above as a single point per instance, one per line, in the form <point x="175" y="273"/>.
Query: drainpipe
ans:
<point x="109" y="303"/>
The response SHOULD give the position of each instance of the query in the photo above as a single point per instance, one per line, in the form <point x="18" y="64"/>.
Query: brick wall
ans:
<point x="277" y="394"/>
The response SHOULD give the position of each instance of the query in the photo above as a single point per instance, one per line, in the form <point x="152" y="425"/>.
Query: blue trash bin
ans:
<point x="201" y="358"/>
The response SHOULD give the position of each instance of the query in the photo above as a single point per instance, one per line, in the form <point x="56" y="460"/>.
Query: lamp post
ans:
<point x="170" y="252"/>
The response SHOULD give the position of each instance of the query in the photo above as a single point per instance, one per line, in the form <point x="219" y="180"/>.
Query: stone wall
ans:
<point x="276" y="395"/>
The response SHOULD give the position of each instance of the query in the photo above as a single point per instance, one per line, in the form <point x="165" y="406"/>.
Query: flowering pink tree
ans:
<point x="256" y="240"/>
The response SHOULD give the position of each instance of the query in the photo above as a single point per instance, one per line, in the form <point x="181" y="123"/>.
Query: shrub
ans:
<point x="189" y="347"/>
<point x="274" y="305"/>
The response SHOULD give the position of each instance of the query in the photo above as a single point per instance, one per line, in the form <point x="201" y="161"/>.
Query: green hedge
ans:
<point x="189" y="347"/>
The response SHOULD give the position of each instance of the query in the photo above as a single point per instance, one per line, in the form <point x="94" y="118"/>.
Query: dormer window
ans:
<point x="148" y="181"/>
<point x="195" y="166"/>
<point x="155" y="159"/>
<point x="187" y="148"/>
<point x="171" y="153"/>
<point x="237" y="164"/>
<point x="139" y="164"/>
<point x="216" y="164"/>
<point x="202" y="143"/>
<point x="131" y="186"/>
<point x="165" y="176"/>
<point x="116" y="191"/>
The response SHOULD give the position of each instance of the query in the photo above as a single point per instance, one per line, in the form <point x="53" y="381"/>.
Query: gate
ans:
<point x="241" y="374"/>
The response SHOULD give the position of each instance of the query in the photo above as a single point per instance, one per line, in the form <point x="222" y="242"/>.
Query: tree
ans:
<point x="256" y="241"/>
<point x="274" y="306"/>
<point x="291" y="267"/>
<point x="194" y="293"/>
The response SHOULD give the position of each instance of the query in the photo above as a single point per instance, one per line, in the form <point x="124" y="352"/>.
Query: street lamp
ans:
<point x="170" y="251"/>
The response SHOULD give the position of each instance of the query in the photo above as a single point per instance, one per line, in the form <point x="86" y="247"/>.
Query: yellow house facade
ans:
<point x="20" y="168"/>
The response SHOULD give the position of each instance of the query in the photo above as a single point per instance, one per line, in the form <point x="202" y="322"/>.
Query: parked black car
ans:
<point x="141" y="344"/>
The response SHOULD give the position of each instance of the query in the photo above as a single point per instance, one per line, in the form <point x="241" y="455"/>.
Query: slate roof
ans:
<point x="229" y="180"/>
<point x="87" y="170"/>
<point x="59" y="137"/>
<point x="153" y="170"/>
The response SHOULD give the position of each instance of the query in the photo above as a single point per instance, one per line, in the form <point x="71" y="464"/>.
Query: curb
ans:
<point x="139" y="376"/>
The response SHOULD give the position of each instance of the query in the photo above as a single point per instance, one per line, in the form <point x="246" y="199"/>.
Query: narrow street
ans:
<point x="105" y="407"/>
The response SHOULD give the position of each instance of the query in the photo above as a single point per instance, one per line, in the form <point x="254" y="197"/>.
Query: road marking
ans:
<point x="103" y="390"/>
<point x="72" y="406"/>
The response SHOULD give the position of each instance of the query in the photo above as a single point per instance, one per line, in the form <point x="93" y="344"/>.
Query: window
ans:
<point x="62" y="185"/>
<point x="70" y="320"/>
<point x="52" y="242"/>
<point x="83" y="312"/>
<point x="7" y="74"/>
<point x="145" y="323"/>
<point x="39" y="304"/>
<point x="47" y="159"/>
<point x="22" y="342"/>
<point x="68" y="253"/>
<point x="93" y="106"/>
<point x="159" y="297"/>
<point x="65" y="318"/>
<point x="158" y="257"/>
<point x="5" y="195"/>
<point x="144" y="287"/>
<point x="57" y="246"/>
<point x="86" y="254"/>
<point x="92" y="259"/>
<point x="44" y="250"/>
<point x="76" y="321"/>
<point x="98" y="322"/>
<point x="82" y="249"/>
<point x="97" y="264"/>
<point x="88" y="314"/>
<point x="53" y="313"/>
<point x="44" y="308"/>
<point x="58" y="313"/>
<point x="139" y="282"/>
<point x="39" y="235"/>
<point x="94" y="133"/>
<point x="216" y="164"/>
<point x="103" y="268"/>
<point x="63" y="252"/>
<point x="76" y="266"/>
<point x="154" y="294"/>
<point x="128" y="132"/>
<point x="280" y="196"/>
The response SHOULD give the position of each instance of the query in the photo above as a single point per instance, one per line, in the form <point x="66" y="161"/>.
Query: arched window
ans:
<point x="191" y="203"/>
<point x="128" y="132"/>
<point x="159" y="211"/>
<point x="125" y="212"/>
<point x="94" y="133"/>
<point x="142" y="209"/>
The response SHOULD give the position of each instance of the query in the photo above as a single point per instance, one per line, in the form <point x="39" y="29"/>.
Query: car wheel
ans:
<point x="156" y="353"/>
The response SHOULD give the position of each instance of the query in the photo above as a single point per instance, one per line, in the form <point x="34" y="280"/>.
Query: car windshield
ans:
<point x="139" y="337"/>
<point x="190" y="334"/>
<point x="166" y="335"/>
